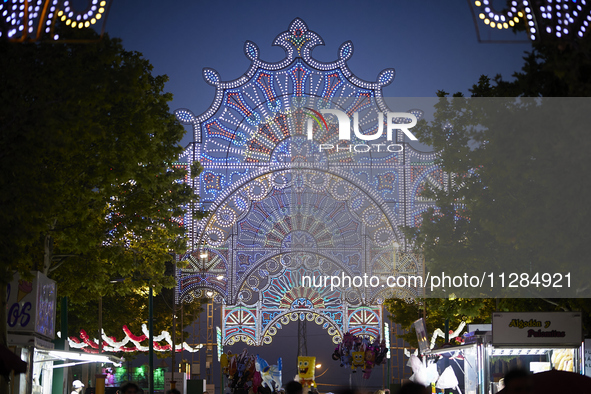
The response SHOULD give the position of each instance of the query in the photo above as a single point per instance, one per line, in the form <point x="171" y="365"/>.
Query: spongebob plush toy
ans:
<point x="306" y="370"/>
<point x="224" y="363"/>
<point x="358" y="360"/>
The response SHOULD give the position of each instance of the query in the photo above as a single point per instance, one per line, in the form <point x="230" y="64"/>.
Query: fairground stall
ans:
<point x="31" y="307"/>
<point x="460" y="369"/>
<point x="535" y="342"/>
<point x="31" y="328"/>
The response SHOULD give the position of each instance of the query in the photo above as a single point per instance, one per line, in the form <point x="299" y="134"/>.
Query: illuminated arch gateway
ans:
<point x="288" y="211"/>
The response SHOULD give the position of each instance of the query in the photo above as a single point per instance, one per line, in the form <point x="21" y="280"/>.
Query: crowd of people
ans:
<point x="515" y="381"/>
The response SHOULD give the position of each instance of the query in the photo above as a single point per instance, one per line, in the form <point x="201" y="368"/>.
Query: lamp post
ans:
<point x="172" y="381"/>
<point x="151" y="339"/>
<point x="150" y="329"/>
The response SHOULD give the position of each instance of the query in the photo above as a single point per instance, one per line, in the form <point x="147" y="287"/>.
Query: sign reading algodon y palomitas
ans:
<point x="537" y="328"/>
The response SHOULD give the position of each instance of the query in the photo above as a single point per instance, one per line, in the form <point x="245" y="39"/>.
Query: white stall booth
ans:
<point x="535" y="341"/>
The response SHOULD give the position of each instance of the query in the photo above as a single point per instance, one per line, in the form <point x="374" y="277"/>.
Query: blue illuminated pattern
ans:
<point x="35" y="19"/>
<point x="282" y="209"/>
<point x="554" y="19"/>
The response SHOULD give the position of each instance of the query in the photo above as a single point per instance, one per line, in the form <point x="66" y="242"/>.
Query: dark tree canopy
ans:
<point x="89" y="187"/>
<point x="519" y="191"/>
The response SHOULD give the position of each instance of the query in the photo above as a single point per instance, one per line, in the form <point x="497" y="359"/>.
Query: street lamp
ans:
<point x="319" y="366"/>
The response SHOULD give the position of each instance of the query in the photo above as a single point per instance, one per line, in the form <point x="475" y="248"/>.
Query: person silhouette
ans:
<point x="77" y="387"/>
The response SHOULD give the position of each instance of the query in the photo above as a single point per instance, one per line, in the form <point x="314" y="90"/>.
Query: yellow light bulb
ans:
<point x="511" y="23"/>
<point x="487" y="21"/>
<point x="493" y="25"/>
<point x="68" y="22"/>
<point x="63" y="18"/>
<point x="520" y="14"/>
<point x="73" y="24"/>
<point x="93" y="21"/>
<point x="500" y="26"/>
<point x="102" y="4"/>
<point x="505" y="25"/>
<point x="60" y="13"/>
<point x="98" y="16"/>
<point x="101" y="10"/>
<point x="86" y="24"/>
<point x="481" y="16"/>
<point x="516" y="19"/>
<point x="477" y="3"/>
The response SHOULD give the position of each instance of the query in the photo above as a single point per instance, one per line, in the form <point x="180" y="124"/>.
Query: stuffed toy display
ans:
<point x="358" y="352"/>
<point x="306" y="371"/>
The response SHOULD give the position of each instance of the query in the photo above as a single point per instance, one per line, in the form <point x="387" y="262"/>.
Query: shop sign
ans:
<point x="537" y="328"/>
<point x="421" y="331"/>
<point x="31" y="306"/>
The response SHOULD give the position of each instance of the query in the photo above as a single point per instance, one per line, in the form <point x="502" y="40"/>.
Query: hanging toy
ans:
<point x="369" y="362"/>
<point x="248" y="373"/>
<point x="306" y="371"/>
<point x="256" y="381"/>
<point x="242" y="360"/>
<point x="270" y="374"/>
<point x="345" y="357"/>
<point x="348" y="340"/>
<point x="336" y="355"/>
<point x="224" y="363"/>
<point x="381" y="352"/>
<point x="358" y="360"/>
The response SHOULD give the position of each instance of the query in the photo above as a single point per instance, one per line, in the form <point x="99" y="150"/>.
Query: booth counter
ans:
<point x="533" y="341"/>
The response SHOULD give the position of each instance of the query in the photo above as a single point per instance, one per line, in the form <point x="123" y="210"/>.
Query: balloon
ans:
<point x="448" y="379"/>
<point x="225" y="363"/>
<point x="348" y="340"/>
<point x="337" y="353"/>
<point x="345" y="358"/>
<point x="306" y="370"/>
<point x="256" y="381"/>
<point x="358" y="360"/>
<point x="360" y="352"/>
<point x="270" y="374"/>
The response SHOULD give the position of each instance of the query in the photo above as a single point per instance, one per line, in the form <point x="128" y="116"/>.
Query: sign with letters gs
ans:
<point x="31" y="306"/>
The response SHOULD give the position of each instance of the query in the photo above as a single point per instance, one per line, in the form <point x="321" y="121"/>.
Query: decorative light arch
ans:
<point x="281" y="208"/>
<point x="32" y="20"/>
<point x="543" y="19"/>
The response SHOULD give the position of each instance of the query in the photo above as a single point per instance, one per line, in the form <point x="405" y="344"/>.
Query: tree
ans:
<point x="437" y="311"/>
<point x="132" y="311"/>
<point x="518" y="177"/>
<point x="90" y="191"/>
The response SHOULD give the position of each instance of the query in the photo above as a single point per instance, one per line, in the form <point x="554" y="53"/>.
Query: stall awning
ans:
<point x="10" y="362"/>
<point x="76" y="358"/>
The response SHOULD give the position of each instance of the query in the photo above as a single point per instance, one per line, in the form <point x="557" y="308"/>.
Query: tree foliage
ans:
<point x="90" y="191"/>
<point x="517" y="196"/>
<point x="437" y="310"/>
<point x="132" y="311"/>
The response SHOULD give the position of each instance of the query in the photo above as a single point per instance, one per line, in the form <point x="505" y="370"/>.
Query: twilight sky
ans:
<point x="432" y="45"/>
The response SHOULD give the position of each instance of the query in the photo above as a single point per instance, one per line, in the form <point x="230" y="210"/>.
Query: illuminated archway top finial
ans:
<point x="298" y="37"/>
<point x="298" y="42"/>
